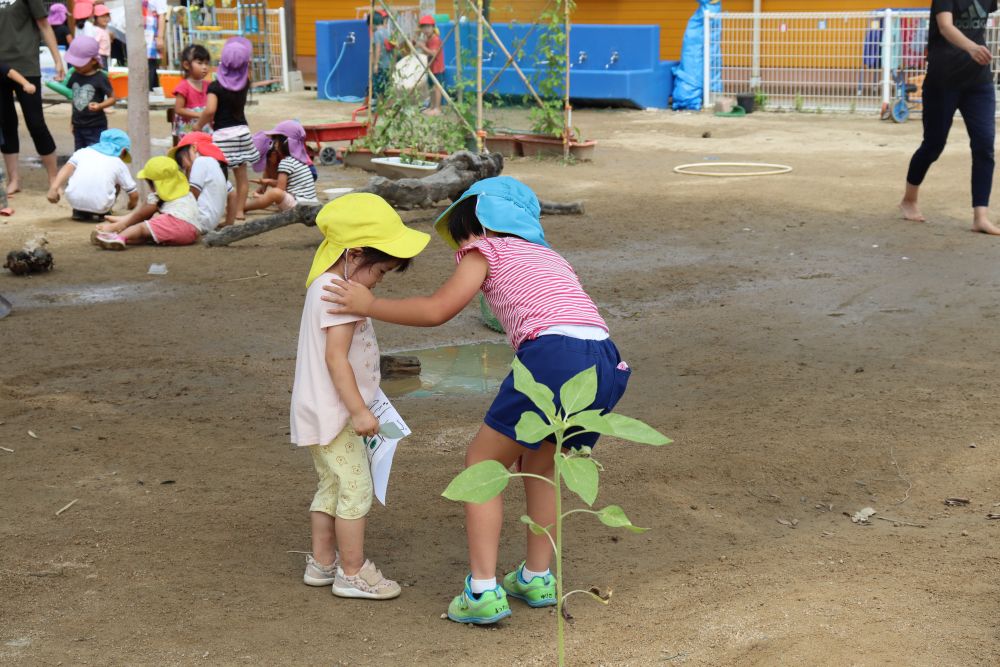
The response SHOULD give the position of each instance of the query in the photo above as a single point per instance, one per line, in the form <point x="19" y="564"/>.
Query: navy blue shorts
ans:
<point x="553" y="360"/>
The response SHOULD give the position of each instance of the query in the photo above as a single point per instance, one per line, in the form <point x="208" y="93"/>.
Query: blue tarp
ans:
<point x="690" y="72"/>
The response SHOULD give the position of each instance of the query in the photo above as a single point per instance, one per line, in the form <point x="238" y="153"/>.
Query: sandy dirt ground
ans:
<point x="810" y="353"/>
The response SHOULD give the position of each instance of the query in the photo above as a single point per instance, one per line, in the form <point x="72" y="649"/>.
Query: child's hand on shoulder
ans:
<point x="350" y="298"/>
<point x="365" y="424"/>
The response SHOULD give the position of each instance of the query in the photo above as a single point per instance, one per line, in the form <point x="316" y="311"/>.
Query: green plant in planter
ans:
<point x="576" y="468"/>
<point x="403" y="125"/>
<point x="548" y="119"/>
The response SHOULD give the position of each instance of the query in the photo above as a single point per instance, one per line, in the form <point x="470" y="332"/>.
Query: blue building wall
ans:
<point x="610" y="64"/>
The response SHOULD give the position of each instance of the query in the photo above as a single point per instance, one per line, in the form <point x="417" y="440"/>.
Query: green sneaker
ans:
<point x="539" y="592"/>
<point x="489" y="608"/>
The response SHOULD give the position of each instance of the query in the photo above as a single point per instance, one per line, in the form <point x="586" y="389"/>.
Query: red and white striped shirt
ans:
<point x="531" y="288"/>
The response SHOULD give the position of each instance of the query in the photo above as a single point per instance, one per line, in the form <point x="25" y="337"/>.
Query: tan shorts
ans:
<point x="345" y="482"/>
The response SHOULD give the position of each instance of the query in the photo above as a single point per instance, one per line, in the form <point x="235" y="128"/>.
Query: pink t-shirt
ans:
<point x="531" y="288"/>
<point x="103" y="42"/>
<point x="318" y="415"/>
<point x="194" y="99"/>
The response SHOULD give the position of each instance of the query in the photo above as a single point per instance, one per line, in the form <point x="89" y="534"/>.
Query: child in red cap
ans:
<point x="430" y="43"/>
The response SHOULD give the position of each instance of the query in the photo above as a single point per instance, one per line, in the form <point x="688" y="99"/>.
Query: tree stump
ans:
<point x="456" y="173"/>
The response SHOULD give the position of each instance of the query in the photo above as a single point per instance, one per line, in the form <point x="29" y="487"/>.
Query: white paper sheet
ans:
<point x="382" y="447"/>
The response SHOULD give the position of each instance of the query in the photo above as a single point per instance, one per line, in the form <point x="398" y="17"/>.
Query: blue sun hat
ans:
<point x="504" y="205"/>
<point x="113" y="142"/>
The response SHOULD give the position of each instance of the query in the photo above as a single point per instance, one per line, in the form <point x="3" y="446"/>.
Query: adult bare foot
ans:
<point x="911" y="212"/>
<point x="13" y="187"/>
<point x="983" y="225"/>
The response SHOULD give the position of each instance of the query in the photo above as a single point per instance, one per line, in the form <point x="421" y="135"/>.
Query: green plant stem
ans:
<point x="528" y="474"/>
<point x="560" y="622"/>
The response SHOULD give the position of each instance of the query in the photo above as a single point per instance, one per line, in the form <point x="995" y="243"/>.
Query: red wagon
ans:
<point x="344" y="131"/>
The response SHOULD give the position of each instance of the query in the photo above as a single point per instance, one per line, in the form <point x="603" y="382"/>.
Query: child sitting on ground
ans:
<point x="92" y="92"/>
<point x="336" y="377"/>
<point x="225" y="111"/>
<point x="294" y="183"/>
<point x="191" y="94"/>
<point x="95" y="175"/>
<point x="170" y="215"/>
<point x="205" y="167"/>
<point x="556" y="332"/>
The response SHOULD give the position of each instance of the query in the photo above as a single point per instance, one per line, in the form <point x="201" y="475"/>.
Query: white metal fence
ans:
<point x="265" y="28"/>
<point x="820" y="61"/>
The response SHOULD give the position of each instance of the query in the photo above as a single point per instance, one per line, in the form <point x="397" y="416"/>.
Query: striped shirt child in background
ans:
<point x="293" y="183"/>
<point x="556" y="332"/>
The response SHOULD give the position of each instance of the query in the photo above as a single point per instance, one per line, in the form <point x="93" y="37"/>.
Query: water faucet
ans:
<point x="350" y="39"/>
<point x="581" y="58"/>
<point x="488" y="56"/>
<point x="614" y="59"/>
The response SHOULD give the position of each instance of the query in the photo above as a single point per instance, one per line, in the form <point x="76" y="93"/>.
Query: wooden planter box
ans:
<point x="534" y="145"/>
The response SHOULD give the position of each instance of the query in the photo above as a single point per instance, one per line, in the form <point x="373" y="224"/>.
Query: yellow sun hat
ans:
<point x="169" y="181"/>
<point x="362" y="220"/>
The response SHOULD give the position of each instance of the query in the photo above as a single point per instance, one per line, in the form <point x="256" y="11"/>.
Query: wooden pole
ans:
<point x="458" y="54"/>
<point x="479" y="75"/>
<point x="371" y="63"/>
<point x="567" y="111"/>
<point x="289" y="6"/>
<point x="138" y="84"/>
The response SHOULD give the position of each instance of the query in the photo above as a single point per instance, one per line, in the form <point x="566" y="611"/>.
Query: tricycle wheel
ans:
<point x="328" y="156"/>
<point x="900" y="111"/>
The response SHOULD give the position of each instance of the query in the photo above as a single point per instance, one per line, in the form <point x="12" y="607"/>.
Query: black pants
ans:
<point x="31" y="109"/>
<point x="86" y="136"/>
<point x="154" y="78"/>
<point x="977" y="105"/>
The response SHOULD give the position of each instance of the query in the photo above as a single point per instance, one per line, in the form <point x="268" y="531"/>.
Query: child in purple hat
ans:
<point x="57" y="19"/>
<point x="294" y="184"/>
<point x="92" y="92"/>
<point x="225" y="111"/>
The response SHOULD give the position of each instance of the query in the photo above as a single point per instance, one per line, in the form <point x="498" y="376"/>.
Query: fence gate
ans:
<point x="820" y="61"/>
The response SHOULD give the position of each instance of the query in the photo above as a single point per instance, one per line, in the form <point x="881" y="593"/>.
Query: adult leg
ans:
<point x="483" y="521"/>
<point x="977" y="108"/>
<point x="939" y="110"/>
<point x="11" y="142"/>
<point x="34" y="119"/>
<point x="154" y="78"/>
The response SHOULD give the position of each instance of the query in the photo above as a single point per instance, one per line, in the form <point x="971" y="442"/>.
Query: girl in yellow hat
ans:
<point x="170" y="215"/>
<point x="336" y="378"/>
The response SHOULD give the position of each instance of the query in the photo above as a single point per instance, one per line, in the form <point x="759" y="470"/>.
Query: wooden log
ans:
<point x="456" y="173"/>
<point x="305" y="214"/>
<point x="560" y="208"/>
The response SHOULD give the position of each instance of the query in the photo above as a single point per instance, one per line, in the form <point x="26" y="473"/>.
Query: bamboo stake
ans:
<point x="458" y="55"/>
<point x="496" y="77"/>
<point x="507" y="53"/>
<point x="479" y="76"/>
<point x="67" y="506"/>
<point x="567" y="112"/>
<point x="371" y="63"/>
<point x="437" y="83"/>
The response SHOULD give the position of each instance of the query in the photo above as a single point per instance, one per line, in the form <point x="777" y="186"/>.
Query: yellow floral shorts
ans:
<point x="345" y="483"/>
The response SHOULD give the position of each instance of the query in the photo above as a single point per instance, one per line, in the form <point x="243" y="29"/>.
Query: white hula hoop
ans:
<point x="693" y="169"/>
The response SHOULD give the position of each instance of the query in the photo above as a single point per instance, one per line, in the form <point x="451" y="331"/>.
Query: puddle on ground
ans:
<point x="454" y="370"/>
<point x="82" y="295"/>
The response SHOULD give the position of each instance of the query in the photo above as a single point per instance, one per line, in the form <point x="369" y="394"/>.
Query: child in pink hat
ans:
<point x="102" y="17"/>
<point x="92" y="92"/>
<point x="57" y="19"/>
<point x="225" y="111"/>
<point x="294" y="184"/>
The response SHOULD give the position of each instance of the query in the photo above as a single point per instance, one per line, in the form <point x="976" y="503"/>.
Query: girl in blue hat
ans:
<point x="556" y="332"/>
